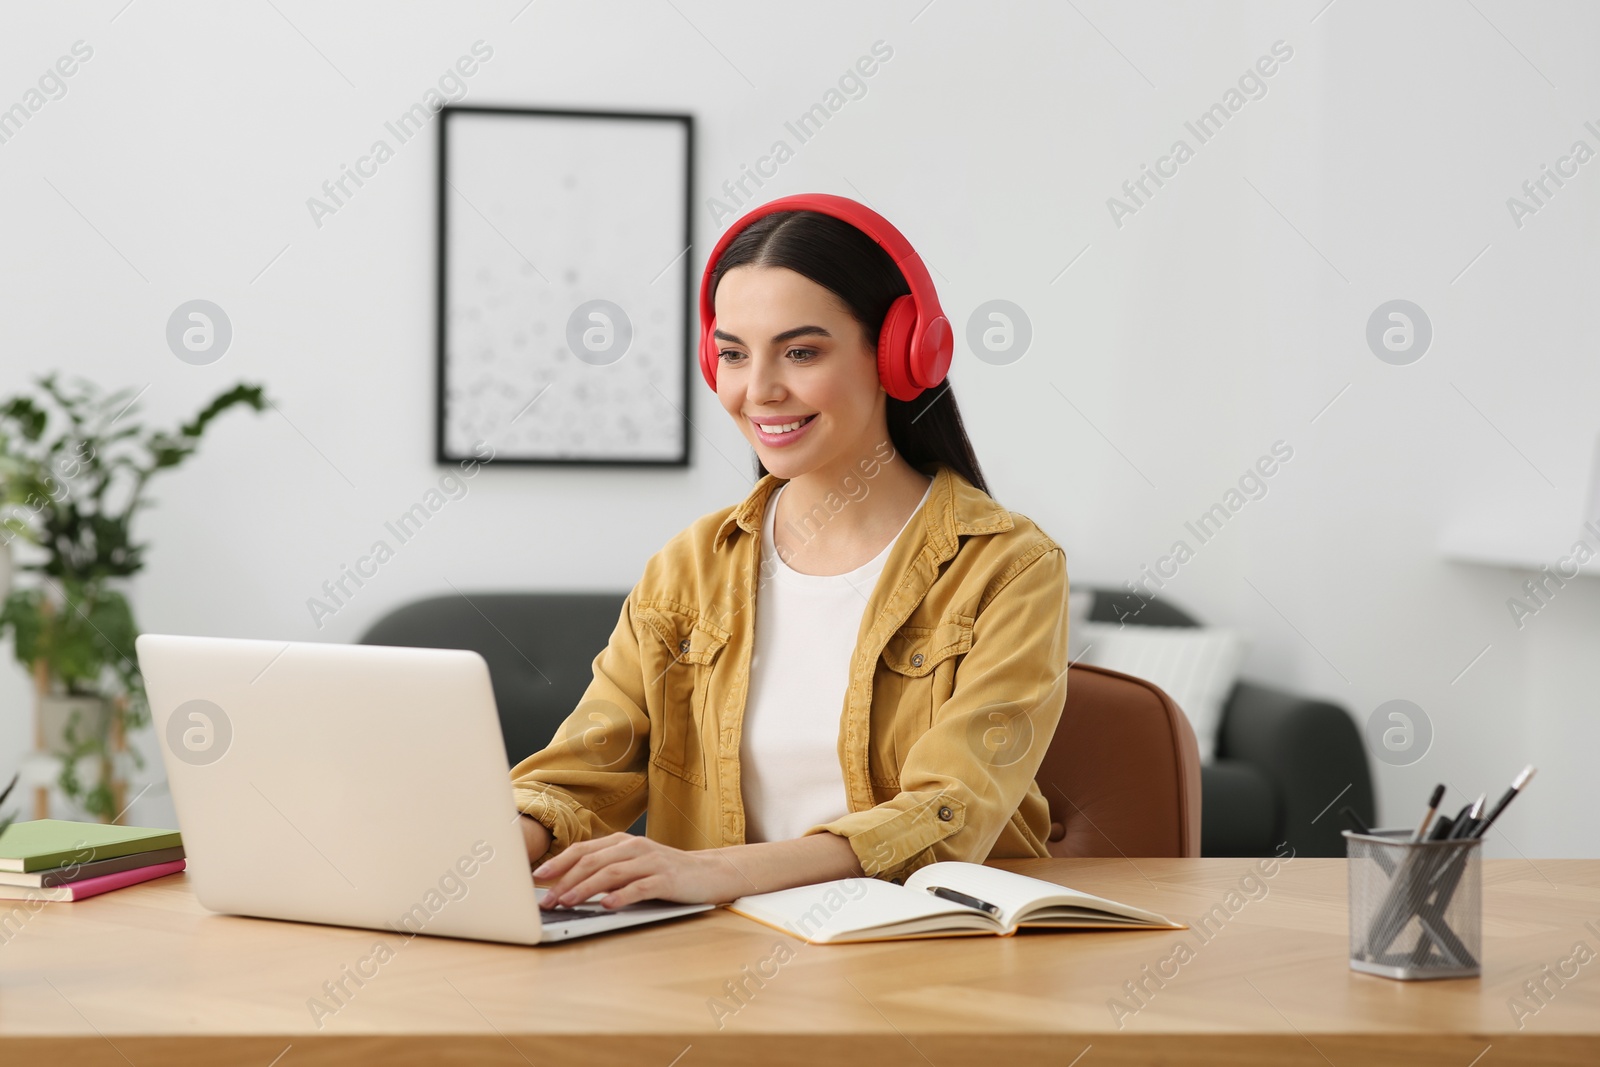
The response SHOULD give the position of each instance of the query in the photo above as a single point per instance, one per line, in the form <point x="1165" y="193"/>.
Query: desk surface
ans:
<point x="146" y="976"/>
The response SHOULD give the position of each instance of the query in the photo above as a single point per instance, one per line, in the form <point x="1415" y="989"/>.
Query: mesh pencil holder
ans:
<point x="1416" y="910"/>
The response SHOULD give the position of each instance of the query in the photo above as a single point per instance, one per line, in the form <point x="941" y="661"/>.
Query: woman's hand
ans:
<point x="628" y="868"/>
<point x="535" y="836"/>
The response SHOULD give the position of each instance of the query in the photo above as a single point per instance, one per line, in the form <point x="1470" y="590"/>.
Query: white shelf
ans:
<point x="1521" y="549"/>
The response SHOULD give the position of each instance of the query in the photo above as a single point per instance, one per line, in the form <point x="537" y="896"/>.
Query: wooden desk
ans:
<point x="145" y="976"/>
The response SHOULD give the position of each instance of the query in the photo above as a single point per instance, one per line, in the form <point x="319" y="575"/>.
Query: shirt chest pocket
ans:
<point x="678" y="653"/>
<point x="915" y="675"/>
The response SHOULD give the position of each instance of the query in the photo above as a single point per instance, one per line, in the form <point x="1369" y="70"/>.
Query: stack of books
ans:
<point x="56" y="859"/>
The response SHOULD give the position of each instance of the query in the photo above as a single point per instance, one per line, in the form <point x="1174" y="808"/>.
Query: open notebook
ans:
<point x="870" y="909"/>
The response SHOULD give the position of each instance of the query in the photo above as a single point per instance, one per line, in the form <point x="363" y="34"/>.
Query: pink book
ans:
<point x="89" y="887"/>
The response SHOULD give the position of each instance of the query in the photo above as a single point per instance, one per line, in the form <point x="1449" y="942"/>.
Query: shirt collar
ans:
<point x="955" y="507"/>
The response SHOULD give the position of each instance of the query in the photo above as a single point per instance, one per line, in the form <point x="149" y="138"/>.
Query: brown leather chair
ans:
<point x="1122" y="773"/>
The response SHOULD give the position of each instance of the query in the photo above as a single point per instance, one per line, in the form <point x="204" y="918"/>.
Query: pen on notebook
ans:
<point x="1427" y="817"/>
<point x="1500" y="805"/>
<point x="961" y="898"/>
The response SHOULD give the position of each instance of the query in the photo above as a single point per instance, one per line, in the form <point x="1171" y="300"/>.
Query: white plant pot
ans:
<point x="55" y="712"/>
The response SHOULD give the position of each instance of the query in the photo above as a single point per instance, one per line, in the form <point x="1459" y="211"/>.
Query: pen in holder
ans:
<point x="1416" y="910"/>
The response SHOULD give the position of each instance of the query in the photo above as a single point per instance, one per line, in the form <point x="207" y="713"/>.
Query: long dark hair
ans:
<point x="854" y="267"/>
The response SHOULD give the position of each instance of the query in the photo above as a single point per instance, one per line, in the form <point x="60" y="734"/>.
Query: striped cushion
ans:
<point x="1196" y="666"/>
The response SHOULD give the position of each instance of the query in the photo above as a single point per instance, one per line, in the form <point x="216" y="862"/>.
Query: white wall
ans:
<point x="1223" y="316"/>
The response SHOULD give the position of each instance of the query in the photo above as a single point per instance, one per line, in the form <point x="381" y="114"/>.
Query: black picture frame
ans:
<point x="450" y="204"/>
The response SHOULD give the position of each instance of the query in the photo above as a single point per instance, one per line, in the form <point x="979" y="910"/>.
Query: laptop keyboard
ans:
<point x="575" y="913"/>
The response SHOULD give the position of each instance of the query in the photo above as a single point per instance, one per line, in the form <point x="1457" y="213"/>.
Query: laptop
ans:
<point x="353" y="785"/>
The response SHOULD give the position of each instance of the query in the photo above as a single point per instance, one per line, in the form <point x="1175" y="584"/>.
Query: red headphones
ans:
<point x="915" y="344"/>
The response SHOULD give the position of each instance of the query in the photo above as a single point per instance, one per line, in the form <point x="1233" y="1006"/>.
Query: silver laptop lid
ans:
<point x="359" y="785"/>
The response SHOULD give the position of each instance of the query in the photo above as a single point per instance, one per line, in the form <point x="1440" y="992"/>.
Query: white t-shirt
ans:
<point x="805" y="637"/>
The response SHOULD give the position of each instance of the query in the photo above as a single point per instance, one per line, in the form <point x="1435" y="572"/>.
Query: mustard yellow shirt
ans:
<point x="956" y="686"/>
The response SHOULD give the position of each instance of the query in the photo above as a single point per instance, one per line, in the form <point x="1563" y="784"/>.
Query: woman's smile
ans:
<point x="780" y="434"/>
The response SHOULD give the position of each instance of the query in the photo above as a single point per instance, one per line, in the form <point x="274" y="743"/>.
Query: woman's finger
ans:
<point x="558" y="865"/>
<point x="605" y="853"/>
<point x="609" y="878"/>
<point x="649" y="887"/>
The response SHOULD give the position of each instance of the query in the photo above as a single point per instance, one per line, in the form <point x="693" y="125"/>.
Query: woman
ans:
<point x="886" y="699"/>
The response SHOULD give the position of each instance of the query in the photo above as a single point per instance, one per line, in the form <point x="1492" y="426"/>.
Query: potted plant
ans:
<point x="74" y="492"/>
<point x="7" y="820"/>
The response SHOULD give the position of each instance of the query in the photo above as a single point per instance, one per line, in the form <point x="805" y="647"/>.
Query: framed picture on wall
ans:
<point x="564" y="290"/>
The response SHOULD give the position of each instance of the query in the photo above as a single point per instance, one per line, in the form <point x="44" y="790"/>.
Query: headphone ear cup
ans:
<point x="931" y="355"/>
<point x="894" y="349"/>
<point x="708" y="355"/>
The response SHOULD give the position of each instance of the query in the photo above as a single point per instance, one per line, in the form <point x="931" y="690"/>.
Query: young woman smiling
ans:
<point x="856" y="670"/>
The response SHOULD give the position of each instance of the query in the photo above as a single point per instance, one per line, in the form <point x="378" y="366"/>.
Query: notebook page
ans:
<point x="1016" y="893"/>
<point x="844" y="908"/>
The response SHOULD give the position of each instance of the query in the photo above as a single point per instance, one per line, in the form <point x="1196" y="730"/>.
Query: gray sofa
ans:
<point x="1281" y="758"/>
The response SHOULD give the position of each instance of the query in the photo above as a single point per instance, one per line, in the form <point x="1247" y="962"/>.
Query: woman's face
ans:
<point x="790" y="351"/>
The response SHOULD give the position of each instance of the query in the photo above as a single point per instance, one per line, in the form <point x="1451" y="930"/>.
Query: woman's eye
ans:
<point x="801" y="355"/>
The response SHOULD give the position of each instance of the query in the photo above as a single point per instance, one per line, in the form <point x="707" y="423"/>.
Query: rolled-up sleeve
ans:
<point x="965" y="777"/>
<point x="591" y="779"/>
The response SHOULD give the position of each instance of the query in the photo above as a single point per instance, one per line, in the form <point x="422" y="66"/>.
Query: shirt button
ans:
<point x="916" y="661"/>
<point x="945" y="814"/>
<point x="683" y="646"/>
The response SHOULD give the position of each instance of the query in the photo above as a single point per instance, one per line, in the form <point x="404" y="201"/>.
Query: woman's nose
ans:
<point x="766" y="377"/>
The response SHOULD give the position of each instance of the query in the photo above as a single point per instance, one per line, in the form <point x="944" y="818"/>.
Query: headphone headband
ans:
<point x="915" y="344"/>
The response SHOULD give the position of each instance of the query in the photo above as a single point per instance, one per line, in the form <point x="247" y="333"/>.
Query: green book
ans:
<point x="44" y="843"/>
